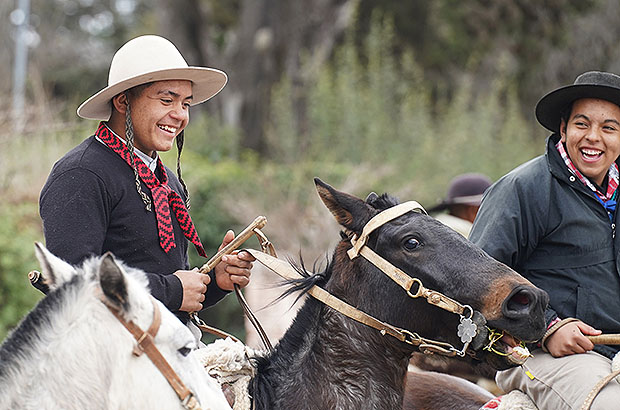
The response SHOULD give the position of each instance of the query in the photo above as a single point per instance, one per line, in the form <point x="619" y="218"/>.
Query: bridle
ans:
<point x="466" y="330"/>
<point x="146" y="344"/>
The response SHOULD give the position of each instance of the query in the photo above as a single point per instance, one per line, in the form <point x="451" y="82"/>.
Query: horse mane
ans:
<point x="319" y="278"/>
<point x="23" y="339"/>
<point x="315" y="277"/>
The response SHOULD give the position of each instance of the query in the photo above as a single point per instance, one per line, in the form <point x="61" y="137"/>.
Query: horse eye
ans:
<point x="411" y="244"/>
<point x="185" y="351"/>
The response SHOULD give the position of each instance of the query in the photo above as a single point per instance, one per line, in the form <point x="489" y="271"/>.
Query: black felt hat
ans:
<point x="466" y="189"/>
<point x="592" y="84"/>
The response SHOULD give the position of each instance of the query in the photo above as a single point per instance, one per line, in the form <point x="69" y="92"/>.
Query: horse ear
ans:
<point x="371" y="197"/>
<point x="349" y="211"/>
<point x="54" y="270"/>
<point x="112" y="281"/>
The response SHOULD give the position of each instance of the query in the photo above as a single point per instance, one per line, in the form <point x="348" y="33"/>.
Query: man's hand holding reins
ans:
<point x="194" y="288"/>
<point x="234" y="269"/>
<point x="571" y="339"/>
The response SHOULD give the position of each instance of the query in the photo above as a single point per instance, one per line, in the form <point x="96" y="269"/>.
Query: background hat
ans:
<point x="466" y="189"/>
<point x="592" y="84"/>
<point x="145" y="59"/>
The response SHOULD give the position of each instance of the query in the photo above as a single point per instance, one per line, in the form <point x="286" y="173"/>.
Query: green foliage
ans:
<point x="20" y="225"/>
<point x="18" y="232"/>
<point x="376" y="110"/>
<point x="454" y="37"/>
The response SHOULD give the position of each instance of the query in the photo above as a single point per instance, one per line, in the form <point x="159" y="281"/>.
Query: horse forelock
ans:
<point x="383" y="201"/>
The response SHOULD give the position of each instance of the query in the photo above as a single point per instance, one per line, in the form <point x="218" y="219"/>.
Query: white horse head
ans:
<point x="71" y="352"/>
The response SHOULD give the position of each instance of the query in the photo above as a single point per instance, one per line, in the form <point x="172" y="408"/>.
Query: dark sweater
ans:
<point x="89" y="205"/>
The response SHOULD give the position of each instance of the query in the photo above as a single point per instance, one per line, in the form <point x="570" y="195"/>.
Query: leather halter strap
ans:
<point x="380" y="219"/>
<point x="466" y="330"/>
<point x="146" y="344"/>
<point x="286" y="271"/>
<point x="397" y="275"/>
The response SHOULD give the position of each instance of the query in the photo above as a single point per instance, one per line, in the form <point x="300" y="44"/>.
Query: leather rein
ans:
<point x="146" y="344"/>
<point x="467" y="329"/>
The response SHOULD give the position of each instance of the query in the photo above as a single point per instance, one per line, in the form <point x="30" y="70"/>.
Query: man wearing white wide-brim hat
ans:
<point x="113" y="193"/>
<point x="554" y="220"/>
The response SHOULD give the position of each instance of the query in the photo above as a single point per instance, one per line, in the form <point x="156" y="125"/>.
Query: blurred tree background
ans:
<point x="369" y="95"/>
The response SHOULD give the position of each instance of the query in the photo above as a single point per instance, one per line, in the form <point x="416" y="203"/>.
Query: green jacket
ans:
<point x="546" y="224"/>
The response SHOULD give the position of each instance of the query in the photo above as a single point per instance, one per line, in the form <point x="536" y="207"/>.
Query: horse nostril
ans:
<point x="519" y="303"/>
<point x="520" y="298"/>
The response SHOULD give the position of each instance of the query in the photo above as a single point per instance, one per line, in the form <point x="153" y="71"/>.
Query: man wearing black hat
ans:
<point x="553" y="219"/>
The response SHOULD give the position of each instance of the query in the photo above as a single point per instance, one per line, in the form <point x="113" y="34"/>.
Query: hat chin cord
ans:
<point x="129" y="137"/>
<point x="180" y="140"/>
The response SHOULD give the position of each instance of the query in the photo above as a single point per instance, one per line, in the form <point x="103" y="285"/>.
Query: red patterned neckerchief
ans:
<point x="164" y="197"/>
<point x="612" y="184"/>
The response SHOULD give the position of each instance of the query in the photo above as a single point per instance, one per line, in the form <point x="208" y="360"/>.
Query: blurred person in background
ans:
<point x="113" y="193"/>
<point x="460" y="206"/>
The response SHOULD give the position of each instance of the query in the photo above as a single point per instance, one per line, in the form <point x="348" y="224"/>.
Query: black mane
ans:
<point x="308" y="280"/>
<point x="320" y="278"/>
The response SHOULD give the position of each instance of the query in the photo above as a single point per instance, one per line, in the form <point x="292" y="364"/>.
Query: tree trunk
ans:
<point x="266" y="43"/>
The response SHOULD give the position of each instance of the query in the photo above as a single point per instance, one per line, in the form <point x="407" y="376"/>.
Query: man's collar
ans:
<point x="612" y="173"/>
<point x="149" y="161"/>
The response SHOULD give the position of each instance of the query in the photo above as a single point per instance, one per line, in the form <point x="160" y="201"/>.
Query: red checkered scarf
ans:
<point x="612" y="184"/>
<point x="164" y="197"/>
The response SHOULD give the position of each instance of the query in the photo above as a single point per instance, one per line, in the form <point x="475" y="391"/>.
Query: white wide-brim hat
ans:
<point x="143" y="60"/>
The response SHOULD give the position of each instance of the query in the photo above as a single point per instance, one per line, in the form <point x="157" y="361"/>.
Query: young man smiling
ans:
<point x="554" y="220"/>
<point x="113" y="193"/>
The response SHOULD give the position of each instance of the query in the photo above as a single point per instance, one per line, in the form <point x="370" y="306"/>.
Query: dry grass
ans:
<point x="30" y="146"/>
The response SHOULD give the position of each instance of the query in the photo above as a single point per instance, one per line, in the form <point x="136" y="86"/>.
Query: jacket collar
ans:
<point x="558" y="167"/>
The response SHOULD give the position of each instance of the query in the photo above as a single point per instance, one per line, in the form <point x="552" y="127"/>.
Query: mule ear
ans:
<point x="113" y="282"/>
<point x="54" y="270"/>
<point x="350" y="212"/>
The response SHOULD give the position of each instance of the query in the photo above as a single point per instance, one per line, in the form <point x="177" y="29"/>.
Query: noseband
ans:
<point x="146" y="344"/>
<point x="466" y="330"/>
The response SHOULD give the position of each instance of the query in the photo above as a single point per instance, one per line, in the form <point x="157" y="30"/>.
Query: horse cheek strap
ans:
<point x="146" y="344"/>
<point x="471" y="327"/>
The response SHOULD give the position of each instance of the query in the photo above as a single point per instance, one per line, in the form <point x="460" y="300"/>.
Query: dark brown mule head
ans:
<point x="443" y="261"/>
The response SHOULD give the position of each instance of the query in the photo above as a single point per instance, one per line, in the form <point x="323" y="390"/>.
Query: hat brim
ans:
<point x="206" y="83"/>
<point x="550" y="107"/>
<point x="472" y="200"/>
